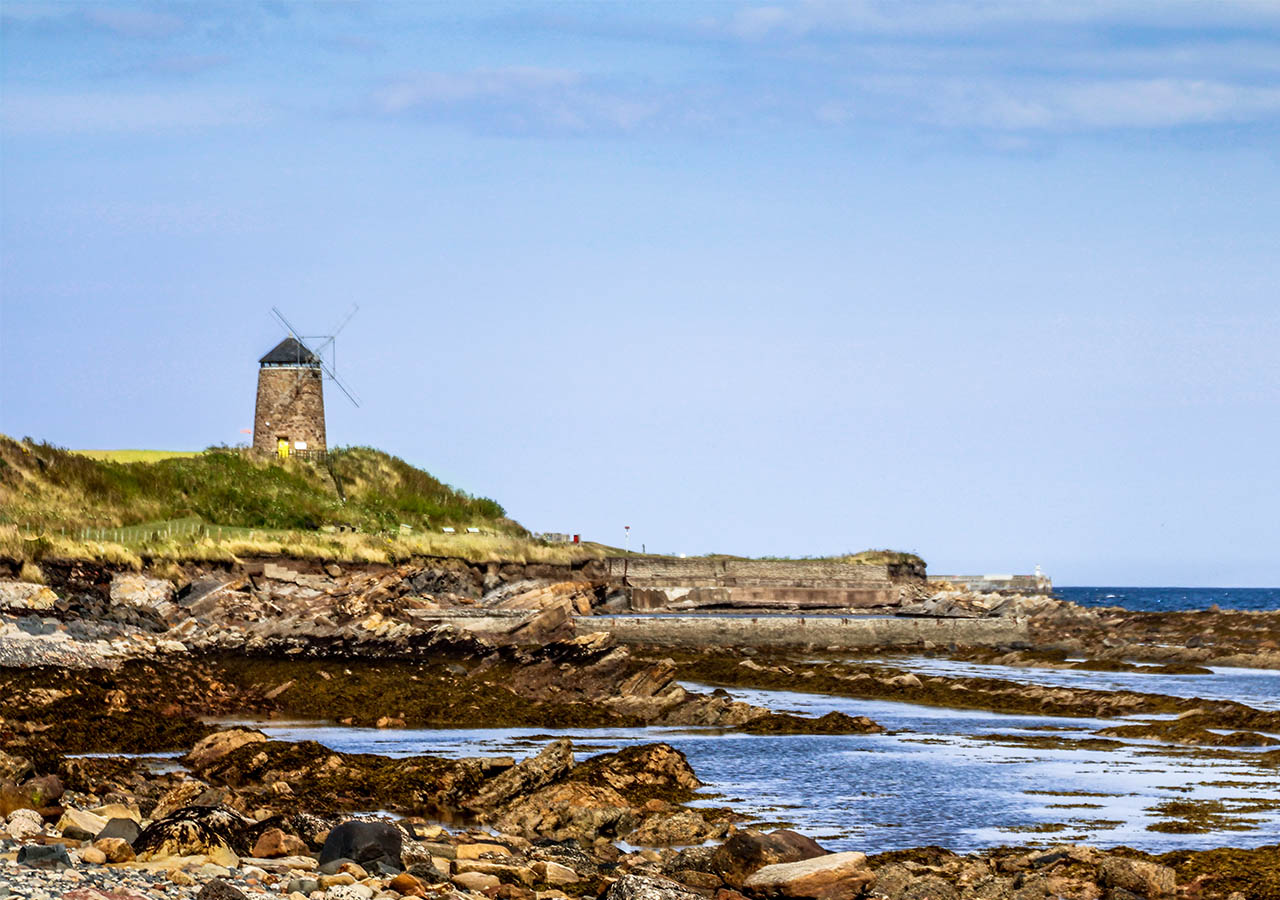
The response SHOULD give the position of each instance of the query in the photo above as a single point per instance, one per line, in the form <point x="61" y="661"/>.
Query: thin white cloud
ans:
<point x="134" y="23"/>
<point x="1055" y="107"/>
<point x="939" y="17"/>
<point x="518" y="100"/>
<point x="49" y="113"/>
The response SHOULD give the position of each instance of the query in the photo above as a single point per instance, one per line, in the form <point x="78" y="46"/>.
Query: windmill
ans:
<point x="289" y="416"/>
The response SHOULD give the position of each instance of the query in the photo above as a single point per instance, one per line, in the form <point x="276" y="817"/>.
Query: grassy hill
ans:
<point x="232" y="503"/>
<point x="360" y="488"/>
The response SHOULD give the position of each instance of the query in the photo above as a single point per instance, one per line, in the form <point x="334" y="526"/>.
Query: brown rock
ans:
<point x="116" y="850"/>
<point x="505" y="872"/>
<point x="274" y="843"/>
<point x="549" y="872"/>
<point x="569" y="810"/>
<point x="555" y="761"/>
<point x="475" y="881"/>
<point x="1138" y="875"/>
<point x="219" y="744"/>
<point x="683" y="828"/>
<point x="478" y="850"/>
<point x="837" y="876"/>
<point x="748" y="851"/>
<point x="93" y="856"/>
<point x="704" y="880"/>
<point x="406" y="885"/>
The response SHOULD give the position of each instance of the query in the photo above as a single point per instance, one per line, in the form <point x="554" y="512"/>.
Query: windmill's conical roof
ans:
<point x="290" y="352"/>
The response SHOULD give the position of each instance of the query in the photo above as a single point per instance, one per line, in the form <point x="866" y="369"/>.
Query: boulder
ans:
<point x="219" y="744"/>
<point x="364" y="842"/>
<point x="79" y="825"/>
<point x="93" y="856"/>
<point x="681" y="828"/>
<point x="195" y="831"/>
<point x="116" y="850"/>
<point x="43" y="791"/>
<point x="568" y="810"/>
<point x="122" y="829"/>
<point x="555" y="874"/>
<point x="647" y="887"/>
<point x="475" y="881"/>
<point x="140" y="591"/>
<point x="274" y="843"/>
<point x="22" y="596"/>
<point x="1140" y="876"/>
<point x="44" y="856"/>
<point x="748" y="851"/>
<point x="217" y="889"/>
<point x="24" y="823"/>
<point x="837" y="876"/>
<point x="407" y="886"/>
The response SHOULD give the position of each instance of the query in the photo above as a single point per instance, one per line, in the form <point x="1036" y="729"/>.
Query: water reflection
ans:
<point x="928" y="781"/>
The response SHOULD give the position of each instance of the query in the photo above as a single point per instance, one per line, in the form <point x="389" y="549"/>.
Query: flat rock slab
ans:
<point x="836" y="876"/>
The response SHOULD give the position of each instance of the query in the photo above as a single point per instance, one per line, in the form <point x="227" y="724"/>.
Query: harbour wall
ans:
<point x="654" y="583"/>
<point x="800" y="631"/>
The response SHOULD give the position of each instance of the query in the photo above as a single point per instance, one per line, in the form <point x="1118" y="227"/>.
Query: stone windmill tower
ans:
<point x="289" y="417"/>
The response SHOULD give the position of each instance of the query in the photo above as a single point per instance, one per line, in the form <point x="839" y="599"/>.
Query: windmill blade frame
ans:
<point x="324" y="367"/>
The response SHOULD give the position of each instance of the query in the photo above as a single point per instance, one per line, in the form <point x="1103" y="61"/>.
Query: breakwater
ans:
<point x="800" y="631"/>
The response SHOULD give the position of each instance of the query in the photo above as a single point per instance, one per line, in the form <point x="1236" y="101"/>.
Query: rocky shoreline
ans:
<point x="117" y="663"/>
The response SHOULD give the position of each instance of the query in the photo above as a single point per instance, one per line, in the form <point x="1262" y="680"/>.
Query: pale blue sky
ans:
<point x="992" y="281"/>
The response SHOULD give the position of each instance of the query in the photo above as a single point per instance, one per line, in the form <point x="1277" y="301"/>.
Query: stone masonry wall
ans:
<point x="290" y="405"/>
<point x="722" y="572"/>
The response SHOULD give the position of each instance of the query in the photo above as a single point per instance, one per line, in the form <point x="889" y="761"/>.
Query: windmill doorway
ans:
<point x="282" y="447"/>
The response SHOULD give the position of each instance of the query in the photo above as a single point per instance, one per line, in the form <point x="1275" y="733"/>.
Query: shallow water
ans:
<point x="931" y="782"/>
<point x="1259" y="688"/>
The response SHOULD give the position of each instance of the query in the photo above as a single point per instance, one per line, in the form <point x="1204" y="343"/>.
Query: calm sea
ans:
<point x="1164" y="599"/>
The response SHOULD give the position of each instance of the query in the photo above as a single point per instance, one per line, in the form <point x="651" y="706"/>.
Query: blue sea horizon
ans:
<point x="1172" y="599"/>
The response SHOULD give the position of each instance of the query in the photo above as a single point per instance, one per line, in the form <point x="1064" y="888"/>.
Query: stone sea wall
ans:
<point x="822" y="631"/>
<point x="653" y="571"/>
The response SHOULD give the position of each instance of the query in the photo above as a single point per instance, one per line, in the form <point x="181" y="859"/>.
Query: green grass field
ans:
<point x="133" y="456"/>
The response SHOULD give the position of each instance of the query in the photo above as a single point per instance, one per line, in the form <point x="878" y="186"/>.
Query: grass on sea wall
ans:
<point x="344" y="547"/>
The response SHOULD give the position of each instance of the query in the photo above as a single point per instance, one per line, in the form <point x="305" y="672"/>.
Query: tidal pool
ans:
<point x="931" y="780"/>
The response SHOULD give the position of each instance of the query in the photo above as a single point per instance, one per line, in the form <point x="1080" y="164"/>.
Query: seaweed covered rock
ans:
<point x="554" y="762"/>
<point x="320" y="780"/>
<point x="196" y="831"/>
<point x="217" y="745"/>
<point x="831" y="723"/>
<point x="1148" y="879"/>
<point x="683" y="827"/>
<point x="569" y="810"/>
<point x="642" y="773"/>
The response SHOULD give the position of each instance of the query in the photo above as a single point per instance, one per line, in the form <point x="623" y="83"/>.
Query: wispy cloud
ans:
<point x="831" y="18"/>
<point x="1039" y="106"/>
<point x="134" y="23"/>
<point x="28" y="112"/>
<point x="518" y="100"/>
